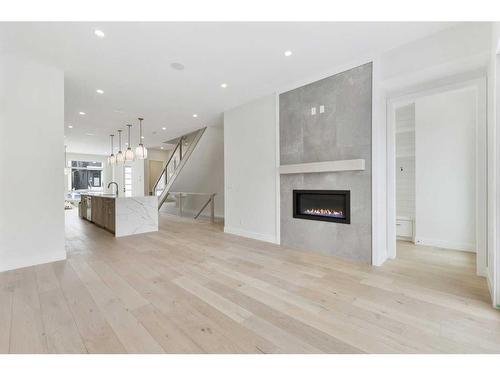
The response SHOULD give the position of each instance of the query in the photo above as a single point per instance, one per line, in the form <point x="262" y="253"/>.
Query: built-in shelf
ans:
<point x="324" y="166"/>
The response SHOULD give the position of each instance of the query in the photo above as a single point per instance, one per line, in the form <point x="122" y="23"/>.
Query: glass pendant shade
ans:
<point x="129" y="154"/>
<point x="120" y="158"/>
<point x="111" y="157"/>
<point x="141" y="152"/>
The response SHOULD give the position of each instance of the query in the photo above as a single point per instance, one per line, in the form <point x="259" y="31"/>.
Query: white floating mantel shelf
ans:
<point x="324" y="166"/>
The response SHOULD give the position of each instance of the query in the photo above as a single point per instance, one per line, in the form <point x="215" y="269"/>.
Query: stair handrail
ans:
<point x="179" y="195"/>
<point x="167" y="164"/>
<point x="183" y="157"/>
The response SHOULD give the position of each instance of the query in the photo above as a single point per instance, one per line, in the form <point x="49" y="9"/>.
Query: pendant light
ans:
<point x="67" y="170"/>
<point x="129" y="154"/>
<point x="112" y="157"/>
<point x="141" y="152"/>
<point x="119" y="156"/>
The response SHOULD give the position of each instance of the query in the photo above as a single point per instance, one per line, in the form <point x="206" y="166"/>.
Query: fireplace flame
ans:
<point x="324" y="212"/>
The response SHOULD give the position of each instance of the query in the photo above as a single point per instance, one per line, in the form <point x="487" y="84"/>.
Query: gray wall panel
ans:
<point x="343" y="131"/>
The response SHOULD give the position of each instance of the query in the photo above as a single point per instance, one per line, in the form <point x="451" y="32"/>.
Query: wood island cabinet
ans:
<point x="103" y="212"/>
<point x="109" y="214"/>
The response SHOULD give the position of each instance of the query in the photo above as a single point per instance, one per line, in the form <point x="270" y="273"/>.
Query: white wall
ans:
<point x="250" y="170"/>
<point x="137" y="177"/>
<point x="31" y="134"/>
<point x="405" y="161"/>
<point x="204" y="173"/>
<point x="451" y="51"/>
<point x="445" y="169"/>
<point x="159" y="155"/>
<point x="493" y="269"/>
<point x="495" y="260"/>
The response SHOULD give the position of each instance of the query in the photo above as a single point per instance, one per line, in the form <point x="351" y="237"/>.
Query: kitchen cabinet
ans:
<point x="102" y="212"/>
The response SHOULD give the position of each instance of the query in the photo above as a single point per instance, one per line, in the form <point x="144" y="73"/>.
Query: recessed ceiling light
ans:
<point x="82" y="113"/>
<point x="177" y="66"/>
<point x="195" y="115"/>
<point x="223" y="85"/>
<point x="90" y="134"/>
<point x="99" y="91"/>
<point x="164" y="128"/>
<point x="161" y="147"/>
<point x="99" y="33"/>
<point x="70" y="126"/>
<point x="142" y="137"/>
<point x="288" y="53"/>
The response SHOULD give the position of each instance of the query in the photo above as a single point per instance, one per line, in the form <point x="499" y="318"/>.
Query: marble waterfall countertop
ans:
<point x="136" y="215"/>
<point x="132" y="215"/>
<point x="100" y="194"/>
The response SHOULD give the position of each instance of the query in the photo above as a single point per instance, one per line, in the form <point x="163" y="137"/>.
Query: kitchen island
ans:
<point x="122" y="216"/>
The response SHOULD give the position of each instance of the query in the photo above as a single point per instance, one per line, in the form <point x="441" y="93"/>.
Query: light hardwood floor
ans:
<point x="190" y="288"/>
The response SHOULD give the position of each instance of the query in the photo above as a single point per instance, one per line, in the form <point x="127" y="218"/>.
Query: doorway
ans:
<point x="437" y="178"/>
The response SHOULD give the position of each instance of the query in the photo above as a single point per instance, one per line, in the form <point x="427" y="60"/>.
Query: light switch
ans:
<point x="321" y="109"/>
<point x="313" y="111"/>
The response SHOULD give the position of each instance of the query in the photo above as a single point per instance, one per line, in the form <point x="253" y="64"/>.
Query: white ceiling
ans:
<point x="132" y="65"/>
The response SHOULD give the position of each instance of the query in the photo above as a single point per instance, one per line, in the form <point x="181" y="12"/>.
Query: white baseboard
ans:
<point x="496" y="305"/>
<point x="483" y="271"/>
<point x="32" y="261"/>
<point x="470" y="247"/>
<point x="488" y="281"/>
<point x="380" y="260"/>
<point x="249" y="234"/>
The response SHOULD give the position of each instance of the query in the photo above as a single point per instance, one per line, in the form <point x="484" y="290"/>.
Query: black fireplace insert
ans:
<point x="323" y="205"/>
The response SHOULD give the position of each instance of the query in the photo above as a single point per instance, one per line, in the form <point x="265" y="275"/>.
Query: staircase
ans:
<point x="179" y="157"/>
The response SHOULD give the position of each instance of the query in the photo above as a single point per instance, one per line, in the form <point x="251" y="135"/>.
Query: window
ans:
<point x="86" y="164"/>
<point x="86" y="175"/>
<point x="127" y="176"/>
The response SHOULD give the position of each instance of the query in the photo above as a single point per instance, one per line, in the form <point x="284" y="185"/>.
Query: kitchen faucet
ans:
<point x="111" y="183"/>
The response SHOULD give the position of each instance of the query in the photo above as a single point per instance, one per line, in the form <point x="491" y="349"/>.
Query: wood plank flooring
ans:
<point x="190" y="288"/>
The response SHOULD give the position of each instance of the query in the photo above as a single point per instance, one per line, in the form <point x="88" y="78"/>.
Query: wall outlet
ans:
<point x="313" y="111"/>
<point x="321" y="109"/>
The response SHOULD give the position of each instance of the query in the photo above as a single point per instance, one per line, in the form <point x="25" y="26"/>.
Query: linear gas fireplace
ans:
<point x="324" y="205"/>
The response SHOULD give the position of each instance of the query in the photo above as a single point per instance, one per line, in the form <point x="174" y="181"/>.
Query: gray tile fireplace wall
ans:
<point x="342" y="131"/>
